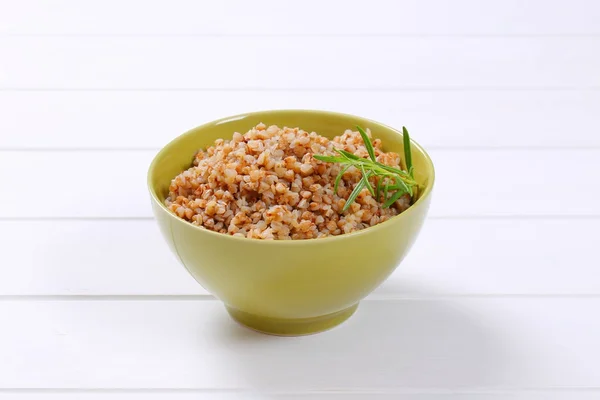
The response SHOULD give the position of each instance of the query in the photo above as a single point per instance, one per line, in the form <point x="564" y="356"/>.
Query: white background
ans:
<point x="500" y="297"/>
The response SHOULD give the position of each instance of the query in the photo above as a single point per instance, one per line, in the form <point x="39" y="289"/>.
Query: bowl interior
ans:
<point x="179" y="153"/>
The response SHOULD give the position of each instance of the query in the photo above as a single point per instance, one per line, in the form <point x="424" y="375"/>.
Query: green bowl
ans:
<point x="288" y="287"/>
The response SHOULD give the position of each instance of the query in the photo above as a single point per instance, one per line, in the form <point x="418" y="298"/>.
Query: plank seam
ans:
<point x="408" y="35"/>
<point x="375" y="297"/>
<point x="574" y="88"/>
<point x="332" y="391"/>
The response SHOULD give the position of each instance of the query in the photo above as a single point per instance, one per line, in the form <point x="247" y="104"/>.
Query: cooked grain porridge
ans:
<point x="266" y="184"/>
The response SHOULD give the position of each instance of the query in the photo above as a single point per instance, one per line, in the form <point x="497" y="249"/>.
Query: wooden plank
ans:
<point x="312" y="17"/>
<point x="471" y="257"/>
<point x="126" y="119"/>
<point x="468" y="183"/>
<point x="489" y="343"/>
<point x="298" y="62"/>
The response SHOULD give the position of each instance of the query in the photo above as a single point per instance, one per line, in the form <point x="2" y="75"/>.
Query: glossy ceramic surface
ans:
<point x="288" y="287"/>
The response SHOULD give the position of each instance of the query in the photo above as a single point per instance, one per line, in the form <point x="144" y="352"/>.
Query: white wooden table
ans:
<point x="500" y="297"/>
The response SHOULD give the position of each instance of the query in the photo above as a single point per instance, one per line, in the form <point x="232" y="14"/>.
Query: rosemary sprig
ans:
<point x="390" y="182"/>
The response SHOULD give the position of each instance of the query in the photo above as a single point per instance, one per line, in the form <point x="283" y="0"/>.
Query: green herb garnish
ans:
<point x="391" y="183"/>
<point x="407" y="152"/>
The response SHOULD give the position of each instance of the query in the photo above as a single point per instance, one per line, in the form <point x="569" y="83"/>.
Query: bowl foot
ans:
<point x="291" y="327"/>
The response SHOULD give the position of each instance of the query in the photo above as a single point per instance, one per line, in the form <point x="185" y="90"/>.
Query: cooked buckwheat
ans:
<point x="265" y="184"/>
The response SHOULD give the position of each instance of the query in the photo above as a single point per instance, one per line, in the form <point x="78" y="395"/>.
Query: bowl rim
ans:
<point x="372" y="229"/>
